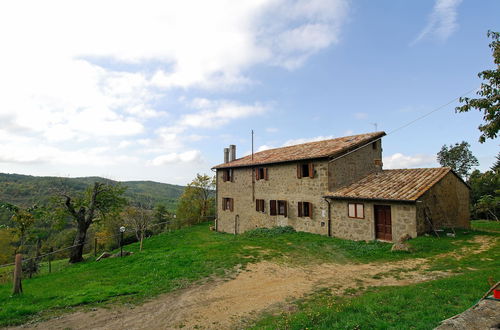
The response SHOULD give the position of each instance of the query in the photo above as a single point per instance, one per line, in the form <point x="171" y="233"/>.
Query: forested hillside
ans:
<point x="27" y="190"/>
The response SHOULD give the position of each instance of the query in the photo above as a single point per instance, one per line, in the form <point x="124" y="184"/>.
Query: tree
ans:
<point x="458" y="157"/>
<point x="489" y="102"/>
<point x="197" y="200"/>
<point x="139" y="218"/>
<point x="97" y="201"/>
<point x="489" y="204"/>
<point x="161" y="216"/>
<point x="23" y="220"/>
<point x="496" y="165"/>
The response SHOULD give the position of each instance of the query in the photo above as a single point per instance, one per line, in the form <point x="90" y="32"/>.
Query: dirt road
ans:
<point x="261" y="286"/>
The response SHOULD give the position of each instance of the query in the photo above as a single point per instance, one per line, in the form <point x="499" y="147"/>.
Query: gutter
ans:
<point x="371" y="199"/>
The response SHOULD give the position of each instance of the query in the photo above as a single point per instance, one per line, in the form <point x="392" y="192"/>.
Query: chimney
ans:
<point x="232" y="152"/>
<point x="226" y="155"/>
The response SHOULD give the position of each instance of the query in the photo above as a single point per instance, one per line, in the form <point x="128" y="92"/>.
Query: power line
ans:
<point x="405" y="125"/>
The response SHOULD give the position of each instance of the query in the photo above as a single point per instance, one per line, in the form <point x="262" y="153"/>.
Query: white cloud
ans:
<point x="305" y="140"/>
<point x="360" y="115"/>
<point x="184" y="157"/>
<point x="399" y="160"/>
<point x="217" y="113"/>
<point x="442" y="21"/>
<point x="80" y="74"/>
<point x="264" y="147"/>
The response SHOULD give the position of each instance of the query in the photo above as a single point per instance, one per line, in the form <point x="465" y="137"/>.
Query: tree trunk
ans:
<point x="142" y="238"/>
<point x="18" y="273"/>
<point x="76" y="254"/>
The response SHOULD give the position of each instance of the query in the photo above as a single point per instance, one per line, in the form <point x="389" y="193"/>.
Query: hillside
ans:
<point x="267" y="278"/>
<point x="26" y="190"/>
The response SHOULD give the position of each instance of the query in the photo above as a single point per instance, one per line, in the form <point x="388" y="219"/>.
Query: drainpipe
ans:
<point x="216" y="199"/>
<point x="329" y="217"/>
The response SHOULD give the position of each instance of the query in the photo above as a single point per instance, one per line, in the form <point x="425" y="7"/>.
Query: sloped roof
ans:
<point x="397" y="185"/>
<point x="310" y="150"/>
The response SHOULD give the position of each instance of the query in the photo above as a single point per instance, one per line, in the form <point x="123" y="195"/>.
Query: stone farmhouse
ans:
<point x="337" y="188"/>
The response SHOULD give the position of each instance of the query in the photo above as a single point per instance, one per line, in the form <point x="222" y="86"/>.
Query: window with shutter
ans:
<point x="272" y="208"/>
<point x="259" y="205"/>
<point x="305" y="209"/>
<point x="266" y="176"/>
<point x="356" y="210"/>
<point x="282" y="208"/>
<point x="305" y="170"/>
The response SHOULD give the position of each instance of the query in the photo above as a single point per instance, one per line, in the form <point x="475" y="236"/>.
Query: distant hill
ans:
<point x="26" y="190"/>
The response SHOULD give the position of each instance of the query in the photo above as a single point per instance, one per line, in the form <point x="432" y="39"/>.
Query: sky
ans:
<point x="154" y="90"/>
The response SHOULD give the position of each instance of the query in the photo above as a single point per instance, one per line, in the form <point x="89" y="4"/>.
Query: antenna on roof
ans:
<point x="375" y="125"/>
<point x="252" y="145"/>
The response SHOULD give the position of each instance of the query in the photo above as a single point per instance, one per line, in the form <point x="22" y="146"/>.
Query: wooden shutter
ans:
<point x="266" y="177"/>
<point x="310" y="210"/>
<point x="300" y="209"/>
<point x="257" y="174"/>
<point x="224" y="175"/>
<point x="231" y="204"/>
<point x="272" y="207"/>
<point x="231" y="173"/>
<point x="257" y="205"/>
<point x="223" y="204"/>
<point x="311" y="170"/>
<point x="286" y="211"/>
<point x="299" y="171"/>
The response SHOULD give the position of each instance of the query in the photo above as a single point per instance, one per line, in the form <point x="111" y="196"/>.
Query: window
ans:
<point x="227" y="204"/>
<point x="228" y="175"/>
<point x="261" y="173"/>
<point x="356" y="210"/>
<point x="305" y="170"/>
<point x="305" y="209"/>
<point x="259" y="205"/>
<point x="278" y="208"/>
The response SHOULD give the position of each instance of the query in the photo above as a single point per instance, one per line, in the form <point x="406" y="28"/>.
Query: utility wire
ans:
<point x="405" y="125"/>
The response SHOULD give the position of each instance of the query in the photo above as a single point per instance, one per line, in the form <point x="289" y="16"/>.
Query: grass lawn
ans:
<point x="174" y="260"/>
<point x="418" y="306"/>
<point x="486" y="225"/>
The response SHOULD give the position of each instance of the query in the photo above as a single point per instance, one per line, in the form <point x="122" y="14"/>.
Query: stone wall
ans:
<point x="403" y="219"/>
<point x="355" y="166"/>
<point x="448" y="203"/>
<point x="282" y="184"/>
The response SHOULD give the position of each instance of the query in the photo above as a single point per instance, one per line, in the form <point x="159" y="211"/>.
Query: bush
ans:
<point x="269" y="232"/>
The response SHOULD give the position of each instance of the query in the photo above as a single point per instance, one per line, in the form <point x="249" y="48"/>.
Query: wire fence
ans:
<point x="55" y="260"/>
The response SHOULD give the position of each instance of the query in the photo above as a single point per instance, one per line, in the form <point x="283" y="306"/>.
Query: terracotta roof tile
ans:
<point x="311" y="150"/>
<point x="402" y="185"/>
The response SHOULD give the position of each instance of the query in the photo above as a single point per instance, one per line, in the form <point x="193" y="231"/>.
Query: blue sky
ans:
<point x="154" y="91"/>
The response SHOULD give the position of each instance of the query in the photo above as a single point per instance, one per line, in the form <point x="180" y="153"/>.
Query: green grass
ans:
<point x="486" y="225"/>
<point x="418" y="306"/>
<point x="177" y="259"/>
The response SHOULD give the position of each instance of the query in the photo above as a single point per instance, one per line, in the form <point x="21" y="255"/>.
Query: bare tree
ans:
<point x="139" y="218"/>
<point x="99" y="200"/>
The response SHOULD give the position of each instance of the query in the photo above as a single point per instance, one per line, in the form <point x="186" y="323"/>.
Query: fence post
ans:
<point x="95" y="247"/>
<point x="50" y="259"/>
<point x="18" y="273"/>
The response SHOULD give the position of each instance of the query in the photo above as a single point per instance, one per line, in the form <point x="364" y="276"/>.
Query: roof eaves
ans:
<point x="370" y="199"/>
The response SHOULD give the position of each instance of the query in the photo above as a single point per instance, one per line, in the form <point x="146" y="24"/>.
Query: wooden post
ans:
<point x="18" y="273"/>
<point x="50" y="259"/>
<point x="142" y="238"/>
<point x="95" y="247"/>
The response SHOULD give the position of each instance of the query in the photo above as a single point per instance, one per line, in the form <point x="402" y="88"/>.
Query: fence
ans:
<point x="37" y="263"/>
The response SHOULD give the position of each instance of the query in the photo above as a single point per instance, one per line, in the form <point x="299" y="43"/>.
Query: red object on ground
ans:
<point x="496" y="293"/>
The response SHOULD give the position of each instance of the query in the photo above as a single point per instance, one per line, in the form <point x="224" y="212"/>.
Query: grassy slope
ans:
<point x="418" y="306"/>
<point x="486" y="225"/>
<point x="174" y="260"/>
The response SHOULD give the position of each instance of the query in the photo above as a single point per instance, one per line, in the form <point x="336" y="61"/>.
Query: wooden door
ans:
<point x="383" y="224"/>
